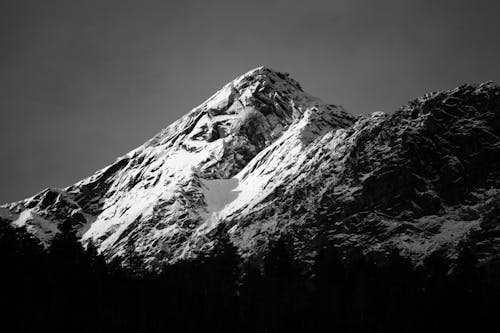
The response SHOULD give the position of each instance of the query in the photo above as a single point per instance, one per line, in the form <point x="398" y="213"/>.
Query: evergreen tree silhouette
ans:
<point x="329" y="290"/>
<point x="283" y="289"/>
<point x="223" y="269"/>
<point x="22" y="279"/>
<point x="71" y="281"/>
<point x="252" y="299"/>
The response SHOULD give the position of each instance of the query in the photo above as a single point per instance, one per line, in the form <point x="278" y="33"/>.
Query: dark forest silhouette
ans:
<point x="68" y="288"/>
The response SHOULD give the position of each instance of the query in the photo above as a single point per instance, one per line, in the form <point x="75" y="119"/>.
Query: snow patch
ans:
<point x="219" y="193"/>
<point x="43" y="229"/>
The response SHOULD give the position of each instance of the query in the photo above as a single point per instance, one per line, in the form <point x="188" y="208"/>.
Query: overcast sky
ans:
<point x="83" y="82"/>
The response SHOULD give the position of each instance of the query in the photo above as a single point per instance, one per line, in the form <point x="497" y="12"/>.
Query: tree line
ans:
<point x="72" y="289"/>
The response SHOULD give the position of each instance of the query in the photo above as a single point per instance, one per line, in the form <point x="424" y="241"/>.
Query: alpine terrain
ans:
<point x="265" y="209"/>
<point x="262" y="160"/>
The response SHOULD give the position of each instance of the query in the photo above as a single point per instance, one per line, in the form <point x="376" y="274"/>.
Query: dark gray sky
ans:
<point x="83" y="82"/>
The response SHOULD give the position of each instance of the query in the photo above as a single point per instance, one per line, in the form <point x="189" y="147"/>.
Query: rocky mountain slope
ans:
<point x="261" y="159"/>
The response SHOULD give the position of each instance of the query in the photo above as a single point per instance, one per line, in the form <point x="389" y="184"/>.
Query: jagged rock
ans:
<point x="261" y="159"/>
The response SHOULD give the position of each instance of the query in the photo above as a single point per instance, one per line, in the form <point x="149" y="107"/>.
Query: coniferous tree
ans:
<point x="329" y="284"/>
<point x="252" y="299"/>
<point x="70" y="277"/>
<point x="22" y="279"/>
<point x="283" y="287"/>
<point x="225" y="269"/>
<point x="437" y="292"/>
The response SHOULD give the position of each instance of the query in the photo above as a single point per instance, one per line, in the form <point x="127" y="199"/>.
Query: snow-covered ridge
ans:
<point x="211" y="163"/>
<point x="261" y="159"/>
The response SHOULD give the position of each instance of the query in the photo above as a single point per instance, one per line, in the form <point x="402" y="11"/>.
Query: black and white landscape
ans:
<point x="266" y="209"/>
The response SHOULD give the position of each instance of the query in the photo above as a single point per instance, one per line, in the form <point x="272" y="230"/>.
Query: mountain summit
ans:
<point x="261" y="159"/>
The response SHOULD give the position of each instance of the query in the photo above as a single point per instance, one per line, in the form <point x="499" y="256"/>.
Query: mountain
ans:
<point x="263" y="160"/>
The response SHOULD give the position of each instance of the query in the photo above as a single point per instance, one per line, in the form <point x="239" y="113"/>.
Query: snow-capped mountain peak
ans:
<point x="262" y="159"/>
<point x="221" y="158"/>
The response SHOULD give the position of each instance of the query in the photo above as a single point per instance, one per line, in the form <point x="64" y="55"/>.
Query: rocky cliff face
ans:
<point x="261" y="159"/>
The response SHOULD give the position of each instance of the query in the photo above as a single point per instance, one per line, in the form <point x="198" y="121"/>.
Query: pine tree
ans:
<point x="70" y="279"/>
<point x="252" y="299"/>
<point x="329" y="290"/>
<point x="283" y="289"/>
